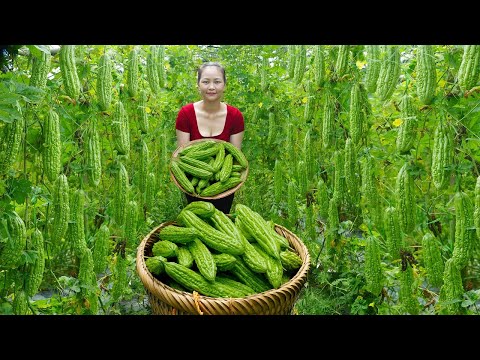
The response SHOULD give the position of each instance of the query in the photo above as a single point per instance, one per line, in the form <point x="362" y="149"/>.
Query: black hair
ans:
<point x="204" y="65"/>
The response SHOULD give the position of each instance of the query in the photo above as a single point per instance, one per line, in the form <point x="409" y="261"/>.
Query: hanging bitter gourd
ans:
<point x="374" y="276"/>
<point x="369" y="191"/>
<point x="442" y="154"/>
<point x="389" y="72"/>
<point x="393" y="233"/>
<point x="120" y="195"/>
<point x="373" y="67"/>
<point x="161" y="65"/>
<point x="319" y="65"/>
<point x="328" y="123"/>
<point x="68" y="70"/>
<point x="278" y="181"/>
<point x="356" y="114"/>
<point x="321" y="198"/>
<point x="408" y="291"/>
<point x="351" y="173"/>
<point x="263" y="73"/>
<point x="101" y="249"/>
<point x="300" y="63"/>
<point x="76" y="227"/>
<point x="131" y="223"/>
<point x="432" y="258"/>
<point x="93" y="153"/>
<point x="291" y="57"/>
<point x="339" y="176"/>
<point x="309" y="157"/>
<point x="143" y="165"/>
<point x="61" y="209"/>
<point x="272" y="128"/>
<point x="104" y="82"/>
<point x="342" y="61"/>
<point x="451" y="292"/>
<point x="40" y="69"/>
<point x="464" y="229"/>
<point x="20" y="303"/>
<point x="16" y="241"/>
<point x="35" y="270"/>
<point x="52" y="151"/>
<point x="292" y="207"/>
<point x="310" y="104"/>
<point x="152" y="69"/>
<point x="120" y="280"/>
<point x="476" y="213"/>
<point x="88" y="281"/>
<point x="121" y="129"/>
<point x="142" y="112"/>
<point x="406" y="135"/>
<point x="469" y="70"/>
<point x="406" y="203"/>
<point x="426" y="73"/>
<point x="132" y="72"/>
<point x="10" y="143"/>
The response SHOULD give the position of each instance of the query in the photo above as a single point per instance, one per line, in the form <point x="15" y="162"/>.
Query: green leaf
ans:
<point x="20" y="189"/>
<point x="9" y="114"/>
<point x="36" y="50"/>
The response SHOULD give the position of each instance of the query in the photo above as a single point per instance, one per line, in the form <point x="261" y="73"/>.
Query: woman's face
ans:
<point x="211" y="84"/>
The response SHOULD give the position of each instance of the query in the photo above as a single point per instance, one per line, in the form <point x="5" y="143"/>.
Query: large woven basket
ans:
<point x="165" y="300"/>
<point x="243" y="174"/>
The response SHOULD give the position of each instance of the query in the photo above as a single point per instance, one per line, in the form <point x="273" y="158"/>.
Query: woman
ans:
<point x="211" y="118"/>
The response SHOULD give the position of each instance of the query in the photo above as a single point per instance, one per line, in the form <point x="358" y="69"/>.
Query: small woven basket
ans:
<point x="243" y="174"/>
<point x="165" y="300"/>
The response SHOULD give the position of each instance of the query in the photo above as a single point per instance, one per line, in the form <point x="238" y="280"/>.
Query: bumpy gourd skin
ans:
<point x="121" y="129"/>
<point x="406" y="131"/>
<point x="11" y="253"/>
<point x="392" y="232"/>
<point x="464" y="229"/>
<point x="132" y="73"/>
<point x="442" y="154"/>
<point x="61" y="208"/>
<point x="35" y="270"/>
<point x="433" y="261"/>
<point x="93" y="158"/>
<point x="373" y="67"/>
<point x="452" y="289"/>
<point x="476" y="213"/>
<point x="104" y="82"/>
<point x="373" y="271"/>
<point x="212" y="237"/>
<point x="389" y="72"/>
<point x="203" y="259"/>
<point x="40" y="70"/>
<point x="405" y="196"/>
<point x="426" y="74"/>
<point x="10" y="143"/>
<point x="68" y="70"/>
<point x="469" y="69"/>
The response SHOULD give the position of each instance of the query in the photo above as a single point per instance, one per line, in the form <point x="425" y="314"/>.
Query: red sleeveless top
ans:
<point x="187" y="122"/>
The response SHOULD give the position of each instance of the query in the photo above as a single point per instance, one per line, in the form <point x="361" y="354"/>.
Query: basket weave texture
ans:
<point x="243" y="174"/>
<point x="165" y="300"/>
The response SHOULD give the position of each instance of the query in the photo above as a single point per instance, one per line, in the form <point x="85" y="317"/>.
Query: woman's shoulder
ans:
<point x="186" y="109"/>
<point x="188" y="106"/>
<point x="234" y="110"/>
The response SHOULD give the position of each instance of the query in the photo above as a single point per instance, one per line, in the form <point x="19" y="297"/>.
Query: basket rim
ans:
<point x="163" y="291"/>
<point x="243" y="174"/>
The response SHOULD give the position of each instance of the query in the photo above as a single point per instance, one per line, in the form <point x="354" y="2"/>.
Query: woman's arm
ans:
<point x="236" y="139"/>
<point x="182" y="137"/>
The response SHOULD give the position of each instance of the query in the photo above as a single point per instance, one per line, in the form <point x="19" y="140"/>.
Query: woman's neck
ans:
<point x="210" y="107"/>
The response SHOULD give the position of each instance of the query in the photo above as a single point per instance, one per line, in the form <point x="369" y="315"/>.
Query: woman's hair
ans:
<point x="204" y="65"/>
